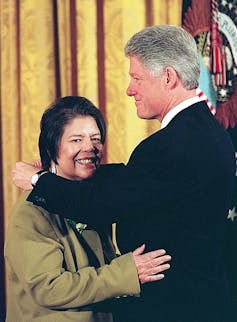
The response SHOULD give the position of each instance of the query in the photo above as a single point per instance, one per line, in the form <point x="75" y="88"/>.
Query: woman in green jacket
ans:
<point x="60" y="270"/>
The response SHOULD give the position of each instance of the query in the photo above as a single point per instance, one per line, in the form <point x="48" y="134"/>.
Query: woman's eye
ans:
<point x="96" y="140"/>
<point x="76" y="140"/>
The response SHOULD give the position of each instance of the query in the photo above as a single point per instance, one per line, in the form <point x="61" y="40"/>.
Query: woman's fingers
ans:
<point x="150" y="278"/>
<point x="139" y="250"/>
<point x="150" y="265"/>
<point x="153" y="263"/>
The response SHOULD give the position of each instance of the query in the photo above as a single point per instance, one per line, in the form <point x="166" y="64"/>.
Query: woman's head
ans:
<point x="72" y="137"/>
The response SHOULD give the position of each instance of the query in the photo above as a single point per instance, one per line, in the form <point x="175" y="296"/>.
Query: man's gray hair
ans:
<point x="158" y="47"/>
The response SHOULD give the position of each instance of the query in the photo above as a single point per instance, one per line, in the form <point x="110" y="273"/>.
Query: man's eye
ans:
<point x="136" y="78"/>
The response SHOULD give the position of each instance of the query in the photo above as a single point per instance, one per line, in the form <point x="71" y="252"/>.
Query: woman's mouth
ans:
<point x="85" y="161"/>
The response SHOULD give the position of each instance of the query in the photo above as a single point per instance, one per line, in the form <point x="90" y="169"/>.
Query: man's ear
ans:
<point x="171" y="77"/>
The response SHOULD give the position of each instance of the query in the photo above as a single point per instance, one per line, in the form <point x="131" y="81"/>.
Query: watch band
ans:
<point x="36" y="177"/>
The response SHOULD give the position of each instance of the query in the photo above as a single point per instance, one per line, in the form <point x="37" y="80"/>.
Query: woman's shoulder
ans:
<point x="25" y="214"/>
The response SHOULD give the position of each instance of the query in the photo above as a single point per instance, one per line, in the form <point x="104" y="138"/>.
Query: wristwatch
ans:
<point x="36" y="177"/>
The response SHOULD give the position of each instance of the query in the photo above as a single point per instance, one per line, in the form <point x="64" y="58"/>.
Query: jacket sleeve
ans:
<point x="107" y="195"/>
<point x="36" y="257"/>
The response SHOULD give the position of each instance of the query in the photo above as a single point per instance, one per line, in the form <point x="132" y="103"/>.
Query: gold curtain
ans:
<point x="52" y="48"/>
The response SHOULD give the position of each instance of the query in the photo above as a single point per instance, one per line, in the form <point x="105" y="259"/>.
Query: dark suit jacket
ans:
<point x="174" y="193"/>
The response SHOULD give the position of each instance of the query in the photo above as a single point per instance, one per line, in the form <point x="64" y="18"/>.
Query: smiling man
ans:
<point x="174" y="192"/>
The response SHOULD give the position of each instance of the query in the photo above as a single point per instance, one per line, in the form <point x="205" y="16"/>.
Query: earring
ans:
<point x="54" y="169"/>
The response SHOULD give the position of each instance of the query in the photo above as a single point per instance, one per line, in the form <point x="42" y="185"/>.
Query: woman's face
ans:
<point x="80" y="149"/>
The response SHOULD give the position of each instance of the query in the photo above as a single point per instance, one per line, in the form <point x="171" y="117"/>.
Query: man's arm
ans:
<point x="108" y="196"/>
<point x="103" y="198"/>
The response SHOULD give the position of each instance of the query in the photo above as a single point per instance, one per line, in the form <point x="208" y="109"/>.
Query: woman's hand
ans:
<point x="22" y="173"/>
<point x="150" y="265"/>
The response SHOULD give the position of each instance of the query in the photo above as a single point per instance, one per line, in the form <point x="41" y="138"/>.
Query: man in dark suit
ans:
<point x="175" y="191"/>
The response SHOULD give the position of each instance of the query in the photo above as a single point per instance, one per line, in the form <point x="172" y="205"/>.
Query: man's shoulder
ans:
<point x="108" y="169"/>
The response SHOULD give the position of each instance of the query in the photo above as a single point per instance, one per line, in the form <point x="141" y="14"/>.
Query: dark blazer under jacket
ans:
<point x="174" y="193"/>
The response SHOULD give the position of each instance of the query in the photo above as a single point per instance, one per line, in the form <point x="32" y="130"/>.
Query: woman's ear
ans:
<point x="53" y="168"/>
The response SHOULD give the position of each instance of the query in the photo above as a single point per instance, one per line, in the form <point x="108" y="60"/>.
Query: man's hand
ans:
<point x="150" y="265"/>
<point x="22" y="173"/>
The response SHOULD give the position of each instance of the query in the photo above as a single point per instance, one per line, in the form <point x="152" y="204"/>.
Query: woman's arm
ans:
<point x="39" y="266"/>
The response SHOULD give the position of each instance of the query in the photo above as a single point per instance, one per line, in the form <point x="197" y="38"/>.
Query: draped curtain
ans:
<point x="53" y="48"/>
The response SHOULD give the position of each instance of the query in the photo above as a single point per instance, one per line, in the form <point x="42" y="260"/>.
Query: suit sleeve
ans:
<point x="39" y="267"/>
<point x="105" y="198"/>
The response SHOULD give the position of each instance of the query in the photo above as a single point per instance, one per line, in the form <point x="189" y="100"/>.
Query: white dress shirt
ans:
<point x="178" y="108"/>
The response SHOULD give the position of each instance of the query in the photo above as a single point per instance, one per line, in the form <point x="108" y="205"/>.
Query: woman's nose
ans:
<point x="87" y="145"/>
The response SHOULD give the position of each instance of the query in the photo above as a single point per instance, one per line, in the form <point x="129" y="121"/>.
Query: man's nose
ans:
<point x="130" y="91"/>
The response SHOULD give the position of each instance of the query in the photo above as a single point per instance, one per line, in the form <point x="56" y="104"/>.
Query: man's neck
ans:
<point x="176" y="97"/>
<point x="178" y="108"/>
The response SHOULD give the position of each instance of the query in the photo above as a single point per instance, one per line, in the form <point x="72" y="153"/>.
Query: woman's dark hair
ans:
<point x="56" y="117"/>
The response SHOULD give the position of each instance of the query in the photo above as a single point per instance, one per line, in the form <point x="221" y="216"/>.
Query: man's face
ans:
<point x="148" y="91"/>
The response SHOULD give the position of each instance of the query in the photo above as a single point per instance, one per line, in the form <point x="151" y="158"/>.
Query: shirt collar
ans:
<point x="178" y="108"/>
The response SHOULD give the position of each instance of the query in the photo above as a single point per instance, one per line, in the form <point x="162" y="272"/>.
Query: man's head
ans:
<point x="161" y="57"/>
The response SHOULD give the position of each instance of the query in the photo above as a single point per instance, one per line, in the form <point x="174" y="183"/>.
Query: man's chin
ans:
<point x="141" y="115"/>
